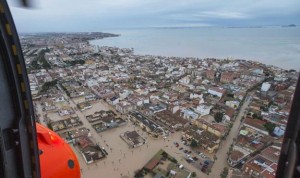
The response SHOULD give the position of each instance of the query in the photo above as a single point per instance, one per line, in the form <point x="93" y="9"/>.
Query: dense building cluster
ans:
<point x="203" y="98"/>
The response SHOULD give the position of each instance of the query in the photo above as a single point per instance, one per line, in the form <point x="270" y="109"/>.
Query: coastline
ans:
<point x="266" y="45"/>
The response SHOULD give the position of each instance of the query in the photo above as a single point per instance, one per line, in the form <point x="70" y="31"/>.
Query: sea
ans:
<point x="278" y="46"/>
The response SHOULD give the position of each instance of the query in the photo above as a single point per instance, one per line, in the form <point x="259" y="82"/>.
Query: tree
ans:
<point x="269" y="127"/>
<point x="254" y="116"/>
<point x="219" y="117"/>
<point x="194" y="174"/>
<point x="47" y="85"/>
<point x="257" y="116"/>
<point x="194" y="143"/>
<point x="224" y="173"/>
<point x="230" y="95"/>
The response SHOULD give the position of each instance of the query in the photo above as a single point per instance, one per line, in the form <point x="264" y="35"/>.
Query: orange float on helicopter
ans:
<point x="57" y="159"/>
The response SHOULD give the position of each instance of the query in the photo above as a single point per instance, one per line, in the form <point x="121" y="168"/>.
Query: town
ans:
<point x="128" y="115"/>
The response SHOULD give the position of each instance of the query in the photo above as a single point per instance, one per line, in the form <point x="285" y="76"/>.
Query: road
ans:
<point x="221" y="161"/>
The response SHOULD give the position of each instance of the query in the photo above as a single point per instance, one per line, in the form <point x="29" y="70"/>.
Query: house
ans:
<point x="91" y="82"/>
<point x="147" y="124"/>
<point x="103" y="93"/>
<point x="124" y="94"/>
<point x="185" y="80"/>
<point x="256" y="124"/>
<point x="216" y="91"/>
<point x="203" y="109"/>
<point x="138" y="101"/>
<point x="90" y="97"/>
<point x="227" y="77"/>
<point x="66" y="111"/>
<point x="125" y="107"/>
<point x="173" y="107"/>
<point x="279" y="131"/>
<point x="260" y="166"/>
<point x="89" y="150"/>
<point x="49" y="105"/>
<point x="237" y="155"/>
<point x="189" y="114"/>
<point x="195" y="95"/>
<point x="109" y="122"/>
<point x="233" y="104"/>
<point x="72" y="135"/>
<point x="157" y="108"/>
<point x="113" y="100"/>
<point x="133" y="139"/>
<point x="172" y="120"/>
<point x="84" y="106"/>
<point x="265" y="86"/>
<point x="206" y="140"/>
<point x="210" y="74"/>
<point x="214" y="128"/>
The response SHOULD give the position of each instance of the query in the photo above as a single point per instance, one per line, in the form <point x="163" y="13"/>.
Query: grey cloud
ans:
<point x="92" y="15"/>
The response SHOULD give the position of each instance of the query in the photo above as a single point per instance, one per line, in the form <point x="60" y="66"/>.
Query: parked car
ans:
<point x="180" y="148"/>
<point x="188" y="160"/>
<point x="203" y="156"/>
<point x="185" y="151"/>
<point x="195" y="158"/>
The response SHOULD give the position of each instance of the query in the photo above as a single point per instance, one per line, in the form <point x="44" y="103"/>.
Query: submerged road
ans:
<point x="221" y="155"/>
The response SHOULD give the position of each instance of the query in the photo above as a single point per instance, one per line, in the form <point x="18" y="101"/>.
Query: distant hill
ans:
<point x="291" y="25"/>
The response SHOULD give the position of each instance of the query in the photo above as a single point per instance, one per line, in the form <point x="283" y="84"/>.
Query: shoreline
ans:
<point x="275" y="46"/>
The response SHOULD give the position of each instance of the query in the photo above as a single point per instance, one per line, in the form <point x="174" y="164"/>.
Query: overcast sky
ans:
<point x="96" y="15"/>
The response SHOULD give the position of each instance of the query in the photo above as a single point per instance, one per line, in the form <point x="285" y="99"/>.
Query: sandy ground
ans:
<point x="123" y="161"/>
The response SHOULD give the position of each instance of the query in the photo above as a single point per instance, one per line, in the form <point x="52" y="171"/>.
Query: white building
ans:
<point x="195" y="95"/>
<point x="232" y="104"/>
<point x="185" y="80"/>
<point x="265" y="86"/>
<point x="91" y="82"/>
<point x="124" y="94"/>
<point x="216" y="91"/>
<point x="189" y="114"/>
<point x="203" y="109"/>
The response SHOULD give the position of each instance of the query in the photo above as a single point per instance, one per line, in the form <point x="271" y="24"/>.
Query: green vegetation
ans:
<point x="194" y="143"/>
<point x="269" y="127"/>
<point x="263" y="108"/>
<point x="230" y="95"/>
<point x="140" y="173"/>
<point x="40" y="61"/>
<point x="224" y="173"/>
<point x="230" y="149"/>
<point x="257" y="116"/>
<point x="64" y="88"/>
<point x="48" y="85"/>
<point x="194" y="174"/>
<point x="219" y="117"/>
